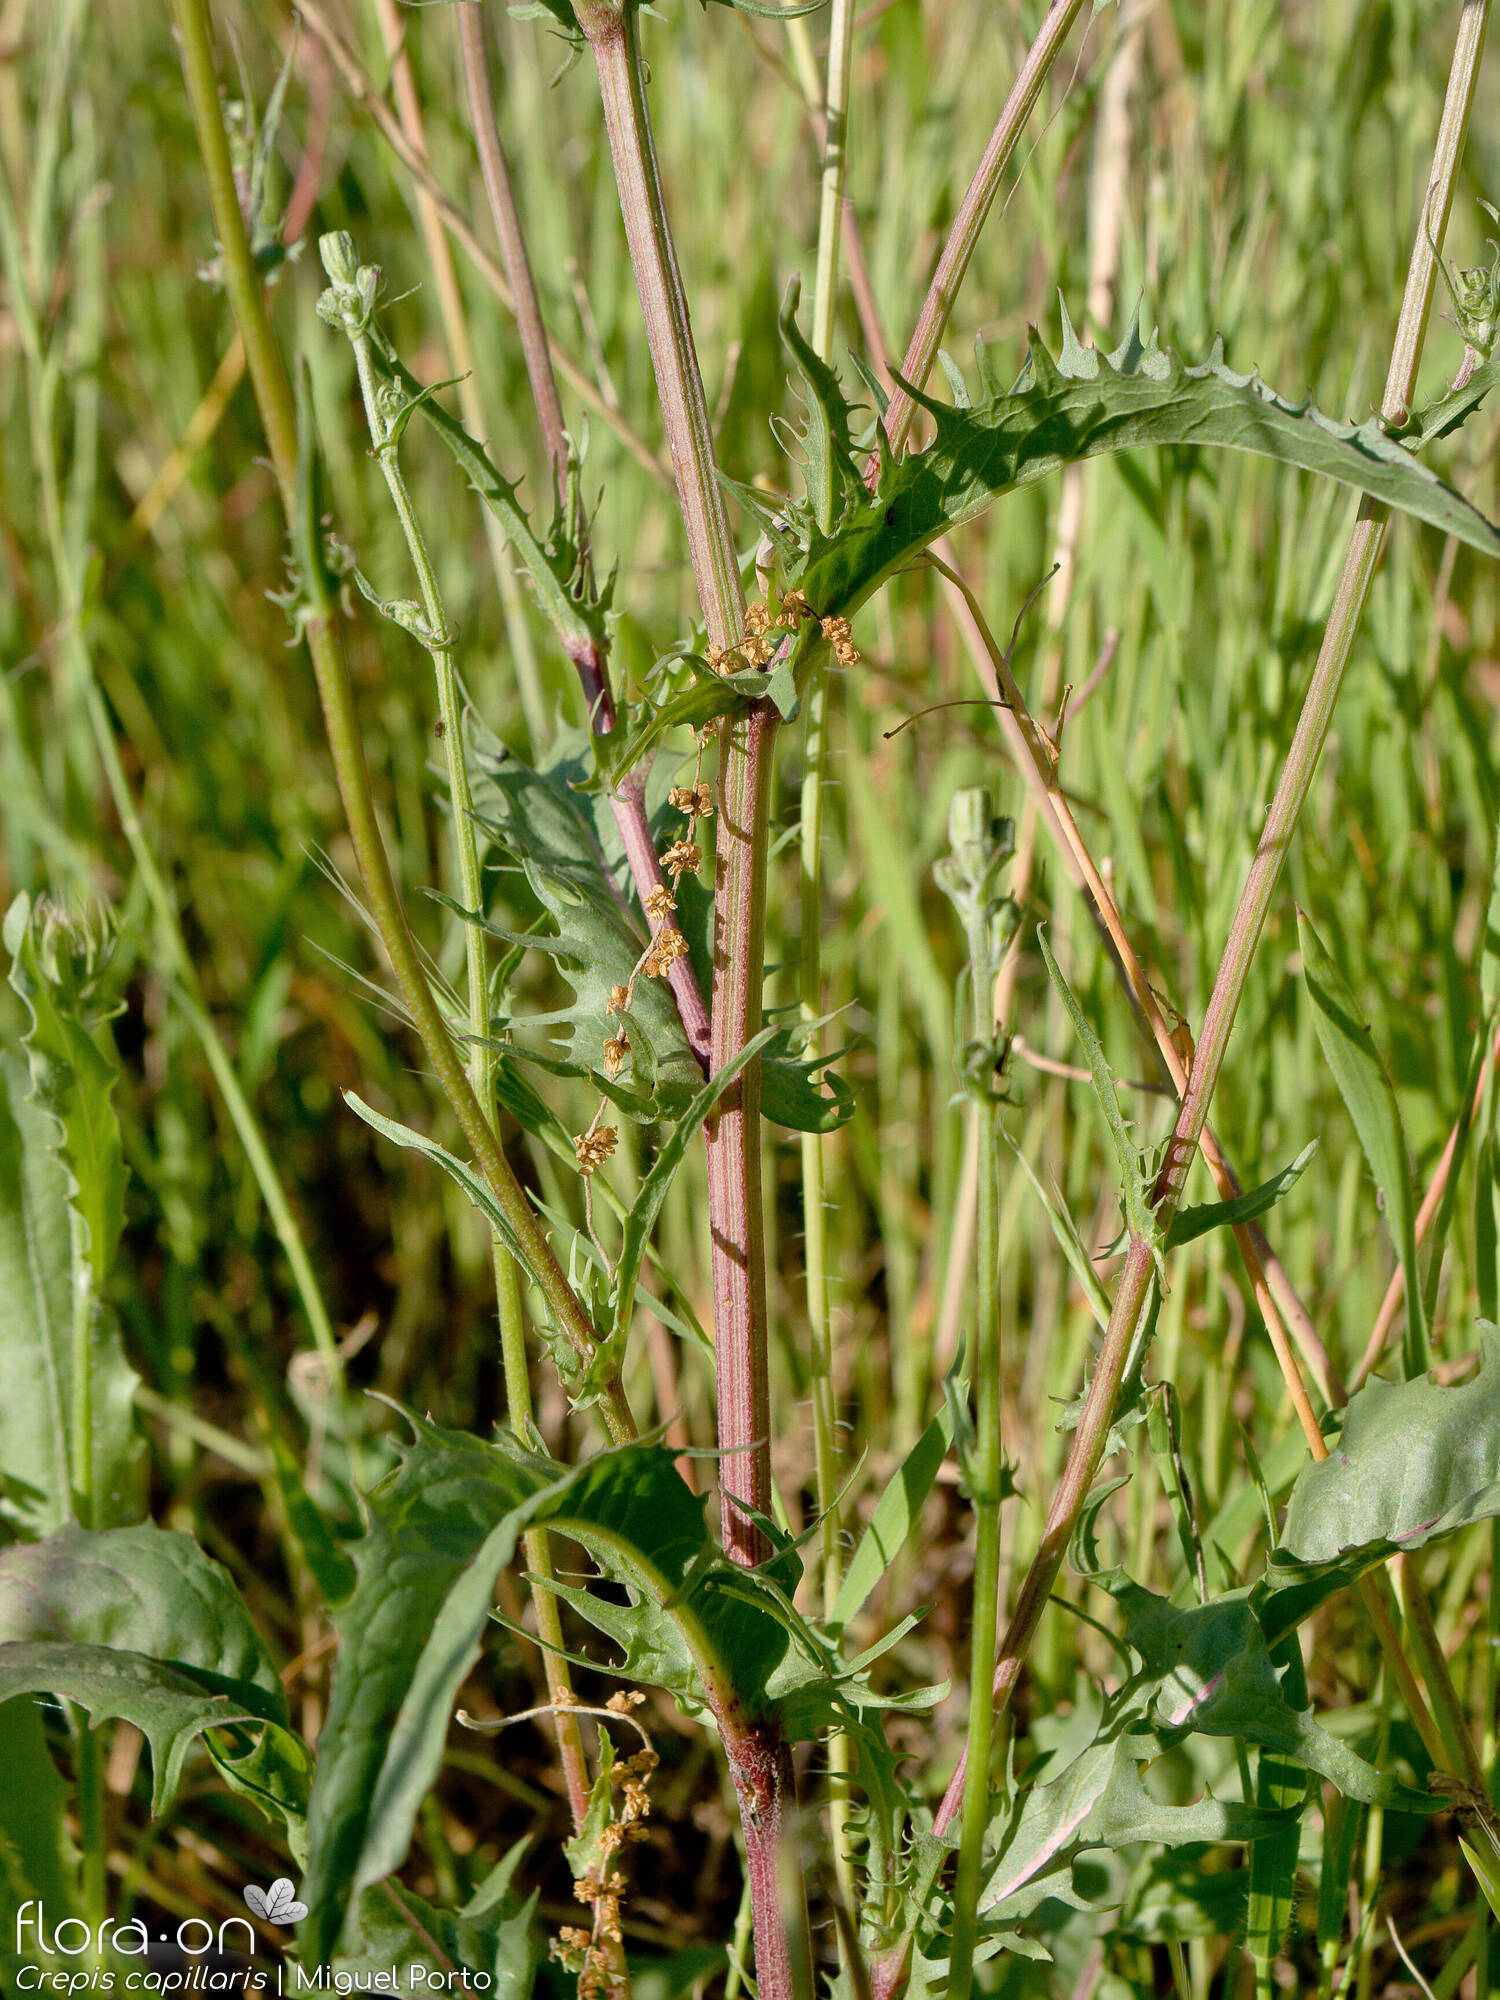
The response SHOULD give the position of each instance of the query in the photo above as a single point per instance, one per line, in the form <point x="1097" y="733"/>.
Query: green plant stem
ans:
<point x="481" y="1061"/>
<point x="481" y="1065"/>
<point x="822" y="1361"/>
<point x="758" y="1759"/>
<point x="510" y="1310"/>
<point x="978" y="199"/>
<point x="278" y="415"/>
<point x="1422" y="1635"/>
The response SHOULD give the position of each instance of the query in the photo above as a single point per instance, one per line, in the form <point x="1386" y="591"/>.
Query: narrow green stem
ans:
<point x="821" y="1354"/>
<point x="481" y="1061"/>
<point x="278" y="415"/>
<point x="439" y="645"/>
<point x="1447" y="1709"/>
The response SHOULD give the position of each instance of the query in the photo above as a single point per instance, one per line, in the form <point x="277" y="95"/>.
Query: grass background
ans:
<point x="1268" y="190"/>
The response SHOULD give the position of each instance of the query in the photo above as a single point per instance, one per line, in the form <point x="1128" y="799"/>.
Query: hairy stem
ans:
<point x="763" y="1782"/>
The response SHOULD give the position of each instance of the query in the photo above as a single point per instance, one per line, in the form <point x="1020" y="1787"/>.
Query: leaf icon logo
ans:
<point x="278" y="1904"/>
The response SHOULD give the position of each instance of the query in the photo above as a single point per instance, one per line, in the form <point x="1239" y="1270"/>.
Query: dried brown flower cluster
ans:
<point x="593" y="1148"/>
<point x="683" y="857"/>
<point x="761" y="621"/>
<point x="666" y="948"/>
<point x="586" y="1953"/>
<point x="696" y="800"/>
<point x="836" y="632"/>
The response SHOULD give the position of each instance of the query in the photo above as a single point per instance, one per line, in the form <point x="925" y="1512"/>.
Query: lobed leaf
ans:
<point x="169" y="1708"/>
<point x="1080" y="404"/>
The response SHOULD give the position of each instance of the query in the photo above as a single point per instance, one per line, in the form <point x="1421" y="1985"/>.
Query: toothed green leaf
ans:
<point x="1078" y="405"/>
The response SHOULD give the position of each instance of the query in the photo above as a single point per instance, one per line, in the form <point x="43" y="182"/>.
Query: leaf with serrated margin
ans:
<point x="1098" y="1801"/>
<point x="597" y="943"/>
<point x="169" y="1708"/>
<point x="1190" y="1223"/>
<point x="73" y="1076"/>
<point x="1370" y="1098"/>
<point x="579" y="623"/>
<point x="1209" y="1668"/>
<point x="139" y="1623"/>
<point x="830" y="474"/>
<point x="37" y="1347"/>
<point x="1082" y="404"/>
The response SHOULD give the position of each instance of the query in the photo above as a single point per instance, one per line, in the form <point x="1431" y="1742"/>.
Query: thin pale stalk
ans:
<point x="278" y="416"/>
<point x="507" y="223"/>
<point x="758" y="1760"/>
<point x="1037" y="761"/>
<point x="978" y="199"/>
<point x="986" y="1477"/>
